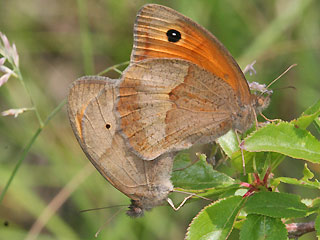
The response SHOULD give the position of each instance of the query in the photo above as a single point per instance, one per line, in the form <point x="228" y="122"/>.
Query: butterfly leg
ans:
<point x="190" y="195"/>
<point x="181" y="204"/>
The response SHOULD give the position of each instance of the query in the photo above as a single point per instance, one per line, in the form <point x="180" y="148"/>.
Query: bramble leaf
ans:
<point x="275" y="204"/>
<point x="215" y="221"/>
<point x="284" y="138"/>
<point x="197" y="176"/>
<point x="257" y="227"/>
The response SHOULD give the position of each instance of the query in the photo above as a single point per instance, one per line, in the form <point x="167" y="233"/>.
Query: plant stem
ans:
<point x="28" y="147"/>
<point x="17" y="70"/>
<point x="114" y="67"/>
<point x="87" y="52"/>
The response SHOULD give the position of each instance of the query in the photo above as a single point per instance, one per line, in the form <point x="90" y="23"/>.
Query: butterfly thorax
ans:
<point x="260" y="102"/>
<point x="245" y="116"/>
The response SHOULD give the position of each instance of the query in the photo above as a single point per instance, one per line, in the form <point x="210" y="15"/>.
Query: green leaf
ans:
<point x="229" y="143"/>
<point x="197" y="176"/>
<point x="216" y="220"/>
<point x="258" y="227"/>
<point x="249" y="158"/>
<point x="216" y="193"/>
<point x="301" y="182"/>
<point x="315" y="108"/>
<point x="308" y="116"/>
<point x="317" y="124"/>
<point x="313" y="205"/>
<point x="307" y="174"/>
<point x="317" y="226"/>
<point x="316" y="203"/>
<point x="284" y="138"/>
<point x="255" y="161"/>
<point x="274" y="204"/>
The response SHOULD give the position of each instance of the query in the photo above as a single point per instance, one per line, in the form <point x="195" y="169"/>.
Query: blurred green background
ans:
<point x="59" y="41"/>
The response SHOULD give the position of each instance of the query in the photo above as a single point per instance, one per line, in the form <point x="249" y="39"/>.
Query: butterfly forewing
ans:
<point x="196" y="45"/>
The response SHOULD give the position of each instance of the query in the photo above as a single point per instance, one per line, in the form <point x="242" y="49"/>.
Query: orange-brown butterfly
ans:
<point x="90" y="107"/>
<point x="182" y="86"/>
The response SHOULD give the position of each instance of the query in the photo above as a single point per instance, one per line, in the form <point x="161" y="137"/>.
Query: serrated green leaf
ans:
<point x="197" y="176"/>
<point x="274" y="204"/>
<point x="305" y="181"/>
<point x="258" y="227"/>
<point x="286" y="139"/>
<point x="302" y="183"/>
<point x="215" y="221"/>
<point x="308" y="116"/>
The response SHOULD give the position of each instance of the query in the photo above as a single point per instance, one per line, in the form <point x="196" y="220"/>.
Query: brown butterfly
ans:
<point x="182" y="86"/>
<point x="90" y="106"/>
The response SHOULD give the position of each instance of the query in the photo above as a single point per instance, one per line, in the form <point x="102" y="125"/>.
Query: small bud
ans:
<point x="2" y="60"/>
<point x="4" y="78"/>
<point x="8" y="51"/>
<point x="15" y="55"/>
<point x="5" y="41"/>
<point x="5" y="69"/>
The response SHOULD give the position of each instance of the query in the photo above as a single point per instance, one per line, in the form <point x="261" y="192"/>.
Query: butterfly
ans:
<point x="182" y="86"/>
<point x="91" y="102"/>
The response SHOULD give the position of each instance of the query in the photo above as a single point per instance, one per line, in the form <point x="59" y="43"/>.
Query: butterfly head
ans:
<point x="136" y="209"/>
<point x="246" y="113"/>
<point x="261" y="101"/>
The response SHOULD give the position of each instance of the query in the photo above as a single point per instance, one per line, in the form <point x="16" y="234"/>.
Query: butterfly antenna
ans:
<point x="108" y="221"/>
<point x="281" y="88"/>
<point x="93" y="209"/>
<point x="288" y="69"/>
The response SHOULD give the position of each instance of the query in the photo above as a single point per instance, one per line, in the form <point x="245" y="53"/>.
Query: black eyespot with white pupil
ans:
<point x="108" y="126"/>
<point x="173" y="35"/>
